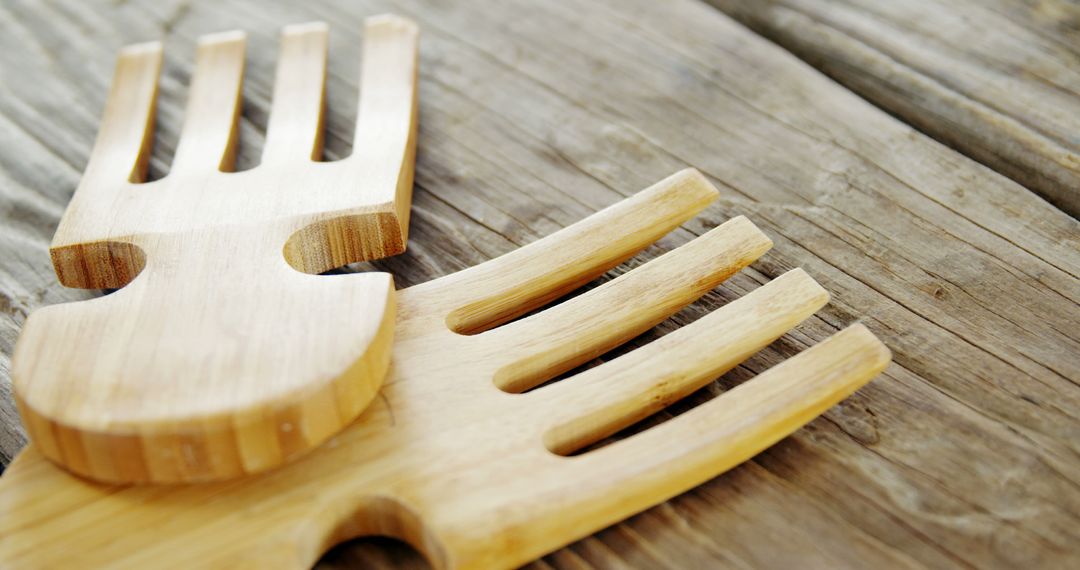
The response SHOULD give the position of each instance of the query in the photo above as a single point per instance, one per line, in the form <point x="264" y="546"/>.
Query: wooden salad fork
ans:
<point x="470" y="454"/>
<point x="222" y="355"/>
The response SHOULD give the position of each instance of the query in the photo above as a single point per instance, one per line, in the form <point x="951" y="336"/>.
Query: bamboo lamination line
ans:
<point x="466" y="455"/>
<point x="223" y="355"/>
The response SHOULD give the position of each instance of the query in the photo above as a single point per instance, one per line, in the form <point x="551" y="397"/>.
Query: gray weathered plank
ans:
<point x="998" y="80"/>
<point x="965" y="453"/>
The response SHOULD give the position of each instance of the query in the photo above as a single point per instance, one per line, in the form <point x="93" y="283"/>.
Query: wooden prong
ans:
<point x="605" y="399"/>
<point x="295" y="131"/>
<point x="541" y="346"/>
<point x="208" y="138"/>
<point x="122" y="149"/>
<point x="663" y="461"/>
<point x="750" y="417"/>
<point x="384" y="147"/>
<point x="499" y="290"/>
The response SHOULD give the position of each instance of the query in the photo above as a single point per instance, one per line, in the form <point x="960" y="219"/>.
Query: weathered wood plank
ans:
<point x="997" y="80"/>
<point x="965" y="453"/>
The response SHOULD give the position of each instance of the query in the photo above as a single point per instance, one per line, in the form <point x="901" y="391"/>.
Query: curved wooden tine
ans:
<point x="537" y="348"/>
<point x="489" y="294"/>
<point x="119" y="158"/>
<point x="708" y="440"/>
<point x="384" y="146"/>
<point x="295" y="131"/>
<point x="602" y="400"/>
<point x="122" y="149"/>
<point x="665" y="460"/>
<point x="209" y="135"/>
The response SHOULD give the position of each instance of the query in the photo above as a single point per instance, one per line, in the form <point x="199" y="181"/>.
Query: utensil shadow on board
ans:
<point x="460" y="456"/>
<point x="222" y="353"/>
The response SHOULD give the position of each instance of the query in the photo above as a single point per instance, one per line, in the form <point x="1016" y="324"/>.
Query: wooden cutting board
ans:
<point x="222" y="354"/>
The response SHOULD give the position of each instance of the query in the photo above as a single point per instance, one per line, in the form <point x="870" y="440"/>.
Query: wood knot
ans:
<point x="859" y="422"/>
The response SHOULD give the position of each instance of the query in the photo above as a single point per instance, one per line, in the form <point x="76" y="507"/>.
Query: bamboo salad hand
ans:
<point x="469" y="453"/>
<point x="223" y="355"/>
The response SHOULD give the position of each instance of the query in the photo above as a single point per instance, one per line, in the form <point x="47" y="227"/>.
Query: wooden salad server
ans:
<point x="460" y="456"/>
<point x="223" y="354"/>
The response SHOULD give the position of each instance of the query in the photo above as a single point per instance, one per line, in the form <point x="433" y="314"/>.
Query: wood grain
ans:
<point x="222" y="356"/>
<point x="459" y="463"/>
<point x="964" y="453"/>
<point x="996" y="80"/>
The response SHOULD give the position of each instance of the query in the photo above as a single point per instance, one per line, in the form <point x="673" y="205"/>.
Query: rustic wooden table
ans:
<point x="966" y="452"/>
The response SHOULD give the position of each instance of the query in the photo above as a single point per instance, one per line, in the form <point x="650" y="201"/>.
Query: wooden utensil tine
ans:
<point x="295" y="129"/>
<point x="517" y="282"/>
<point x="602" y="400"/>
<point x="543" y="345"/>
<point x="126" y="135"/>
<point x="208" y="138"/>
<point x="384" y="146"/>
<point x="652" y="466"/>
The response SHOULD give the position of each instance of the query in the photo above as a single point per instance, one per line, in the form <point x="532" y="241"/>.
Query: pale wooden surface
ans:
<point x="533" y="115"/>
<point x="224" y="353"/>
<point x="998" y="80"/>
<point x="465" y="456"/>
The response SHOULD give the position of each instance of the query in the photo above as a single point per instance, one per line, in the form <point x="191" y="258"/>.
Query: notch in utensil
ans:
<point x="223" y="354"/>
